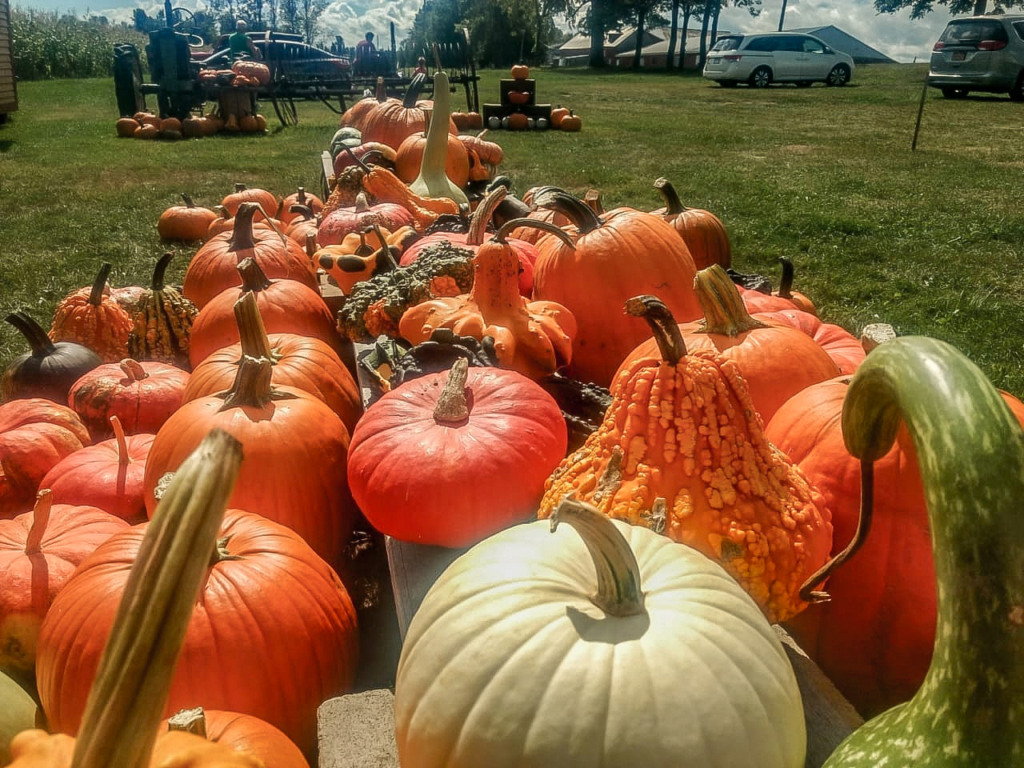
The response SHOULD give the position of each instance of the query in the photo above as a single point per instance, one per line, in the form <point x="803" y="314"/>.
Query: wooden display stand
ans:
<point x="236" y="101"/>
<point x="531" y="108"/>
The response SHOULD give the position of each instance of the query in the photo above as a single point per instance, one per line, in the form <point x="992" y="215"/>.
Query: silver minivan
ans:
<point x="980" y="53"/>
<point x="779" y="57"/>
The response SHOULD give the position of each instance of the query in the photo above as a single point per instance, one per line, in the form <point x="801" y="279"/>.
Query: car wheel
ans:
<point x="1017" y="92"/>
<point x="840" y="75"/>
<point x="761" y="77"/>
<point x="803" y="83"/>
<point x="955" y="93"/>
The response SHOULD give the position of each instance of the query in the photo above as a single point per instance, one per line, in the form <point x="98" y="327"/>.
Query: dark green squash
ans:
<point x="969" y="711"/>
<point x="49" y="369"/>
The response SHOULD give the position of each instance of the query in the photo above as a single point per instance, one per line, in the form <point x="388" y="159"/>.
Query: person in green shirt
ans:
<point x="240" y="44"/>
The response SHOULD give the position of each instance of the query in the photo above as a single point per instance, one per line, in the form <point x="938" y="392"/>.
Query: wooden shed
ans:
<point x="8" y="89"/>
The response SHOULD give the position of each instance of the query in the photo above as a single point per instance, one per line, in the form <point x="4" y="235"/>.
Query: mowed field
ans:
<point x="929" y="240"/>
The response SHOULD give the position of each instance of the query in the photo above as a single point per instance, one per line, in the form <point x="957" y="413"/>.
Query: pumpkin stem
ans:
<point x="133" y="370"/>
<point x="302" y="210"/>
<point x="618" y="574"/>
<point x="40" y="519"/>
<point x="34" y="334"/>
<point x="159" y="272"/>
<point x="502" y="233"/>
<point x="311" y="248"/>
<point x="96" y="294"/>
<point x="221" y="553"/>
<point x="412" y="93"/>
<point x="362" y="205"/>
<point x="724" y="310"/>
<point x="300" y="195"/>
<point x="251" y="330"/>
<point x="663" y="325"/>
<point x="242" y="235"/>
<point x="253" y="276"/>
<point x="453" y="405"/>
<point x="482" y="215"/>
<point x="131" y="687"/>
<point x="123" y="458"/>
<point x="593" y="200"/>
<point x="188" y="200"/>
<point x="867" y="505"/>
<point x="189" y="720"/>
<point x="356" y="159"/>
<point x="252" y="387"/>
<point x="673" y="205"/>
<point x="786" y="283"/>
<point x="578" y="212"/>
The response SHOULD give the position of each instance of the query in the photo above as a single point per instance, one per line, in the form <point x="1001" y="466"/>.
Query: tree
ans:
<point x="918" y="8"/>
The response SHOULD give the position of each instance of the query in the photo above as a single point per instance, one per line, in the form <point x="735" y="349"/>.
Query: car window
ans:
<point x="727" y="44"/>
<point x="810" y="45"/>
<point x="972" y="32"/>
<point x="1018" y="27"/>
<point x="791" y="44"/>
<point x="766" y="43"/>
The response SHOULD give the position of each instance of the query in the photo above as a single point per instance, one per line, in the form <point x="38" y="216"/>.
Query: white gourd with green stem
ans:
<point x="433" y="181"/>
<point x="970" y="709"/>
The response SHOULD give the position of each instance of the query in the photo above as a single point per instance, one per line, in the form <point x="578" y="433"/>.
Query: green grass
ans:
<point x="930" y="241"/>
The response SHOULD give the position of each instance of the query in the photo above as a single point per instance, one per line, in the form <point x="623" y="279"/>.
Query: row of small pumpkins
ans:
<point x="145" y="125"/>
<point x="685" y="453"/>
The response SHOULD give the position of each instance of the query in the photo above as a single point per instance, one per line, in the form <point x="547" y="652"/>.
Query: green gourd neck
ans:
<point x="970" y="708"/>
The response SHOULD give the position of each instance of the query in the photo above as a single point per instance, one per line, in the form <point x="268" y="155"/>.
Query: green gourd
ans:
<point x="970" y="709"/>
<point x="18" y="713"/>
<point x="433" y="181"/>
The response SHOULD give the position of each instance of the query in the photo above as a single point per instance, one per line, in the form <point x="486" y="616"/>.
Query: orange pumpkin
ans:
<point x="409" y="158"/>
<point x="355" y="115"/>
<point x="786" y="288"/>
<point x="126" y="126"/>
<point x="188" y="222"/>
<point x="570" y="123"/>
<point x="241" y="733"/>
<point x="558" y="114"/>
<point x="299" y="361"/>
<point x="299" y="197"/>
<point x="702" y="231"/>
<point x="257" y="72"/>
<point x="392" y="121"/>
<point x="517" y="121"/>
<point x="215" y="265"/>
<point x="520" y="71"/>
<point x="242" y="194"/>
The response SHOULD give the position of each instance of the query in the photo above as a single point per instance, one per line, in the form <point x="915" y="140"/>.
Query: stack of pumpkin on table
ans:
<point x="542" y="358"/>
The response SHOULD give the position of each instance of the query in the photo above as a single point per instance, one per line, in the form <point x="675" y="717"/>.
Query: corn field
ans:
<point x="52" y="46"/>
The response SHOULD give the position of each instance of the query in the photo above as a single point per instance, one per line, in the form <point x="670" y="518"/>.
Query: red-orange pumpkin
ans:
<point x="520" y="71"/>
<point x="188" y="222"/>
<point x="391" y="121"/>
<point x="702" y="231"/>
<point x="141" y="394"/>
<point x="299" y="197"/>
<point x="107" y="475"/>
<point x="35" y="434"/>
<point x="295" y="449"/>
<point x="241" y="733"/>
<point x="93" y="318"/>
<point x="39" y="550"/>
<point x="242" y="194"/>
<point x="268" y="604"/>
<point x="450" y="458"/>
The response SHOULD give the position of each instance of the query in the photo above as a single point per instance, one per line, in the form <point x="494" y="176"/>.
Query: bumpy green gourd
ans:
<point x="969" y="711"/>
<point x="433" y="181"/>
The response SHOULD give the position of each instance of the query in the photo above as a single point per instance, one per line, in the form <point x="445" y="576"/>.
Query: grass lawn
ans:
<point x="930" y="241"/>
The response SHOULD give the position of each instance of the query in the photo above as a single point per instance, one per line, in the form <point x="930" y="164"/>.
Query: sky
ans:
<point x="893" y="34"/>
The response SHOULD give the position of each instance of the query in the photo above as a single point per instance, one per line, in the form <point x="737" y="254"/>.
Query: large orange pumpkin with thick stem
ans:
<point x="295" y="449"/>
<point x="39" y="550"/>
<point x="355" y="115"/>
<point x="188" y="222"/>
<point x="286" y="306"/>
<point x="776" y="360"/>
<point x="409" y="158"/>
<point x="299" y="361"/>
<point x="845" y="349"/>
<point x="391" y="121"/>
<point x="702" y="231"/>
<point x="267" y="604"/>
<point x="35" y="434"/>
<point x="681" y="451"/>
<point x="215" y="265"/>
<point x="617" y="255"/>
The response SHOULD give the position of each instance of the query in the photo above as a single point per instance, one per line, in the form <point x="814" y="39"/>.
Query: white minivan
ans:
<point x="778" y="57"/>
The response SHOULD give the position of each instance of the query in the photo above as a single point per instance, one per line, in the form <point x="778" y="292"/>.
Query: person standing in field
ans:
<point x="240" y="44"/>
<point x="366" y="52"/>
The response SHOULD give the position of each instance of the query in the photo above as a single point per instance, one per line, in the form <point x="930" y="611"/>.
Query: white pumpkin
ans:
<point x="493" y="122"/>
<point x="509" y="661"/>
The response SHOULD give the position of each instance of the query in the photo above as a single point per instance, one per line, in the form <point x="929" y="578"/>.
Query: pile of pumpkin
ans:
<point x="542" y="358"/>
<point x="145" y="125"/>
<point x="243" y="73"/>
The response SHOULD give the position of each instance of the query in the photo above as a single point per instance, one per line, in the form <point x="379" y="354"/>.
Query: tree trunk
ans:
<point x="639" y="39"/>
<point x="673" y="29"/>
<point x="597" y="35"/>
<point x="714" y="24"/>
<point x="683" y="38"/>
<point x="782" y="16"/>
<point x="704" y="34"/>
<point x="979" y="7"/>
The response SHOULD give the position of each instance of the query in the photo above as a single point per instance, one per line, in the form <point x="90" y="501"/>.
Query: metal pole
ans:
<point x="920" y="111"/>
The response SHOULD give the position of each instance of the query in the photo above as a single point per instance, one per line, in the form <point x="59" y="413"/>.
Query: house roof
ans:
<point x="862" y="53"/>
